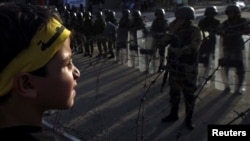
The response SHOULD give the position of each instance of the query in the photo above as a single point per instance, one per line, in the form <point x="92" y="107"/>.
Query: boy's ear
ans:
<point x="23" y="85"/>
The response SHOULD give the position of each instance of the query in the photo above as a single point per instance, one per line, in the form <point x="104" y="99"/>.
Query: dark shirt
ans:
<point x="88" y="27"/>
<point x="99" y="26"/>
<point x="124" y="22"/>
<point x="25" y="133"/>
<point x="233" y="29"/>
<point x="159" y="26"/>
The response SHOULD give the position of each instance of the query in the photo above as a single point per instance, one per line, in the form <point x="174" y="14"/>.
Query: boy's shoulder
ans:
<point x="25" y="133"/>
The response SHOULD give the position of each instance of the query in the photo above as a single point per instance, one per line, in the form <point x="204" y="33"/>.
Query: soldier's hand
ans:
<point x="222" y="62"/>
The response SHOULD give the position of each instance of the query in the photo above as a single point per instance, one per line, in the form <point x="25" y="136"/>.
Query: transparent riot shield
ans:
<point x="147" y="53"/>
<point x="246" y="54"/>
<point x="141" y="40"/>
<point x="132" y="49"/>
<point x="122" y="44"/>
<point x="136" y="41"/>
<point x="220" y="80"/>
<point x="152" y="56"/>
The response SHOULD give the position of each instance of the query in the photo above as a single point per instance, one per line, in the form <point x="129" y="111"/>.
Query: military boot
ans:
<point x="240" y="89"/>
<point x="188" y="119"/>
<point x="173" y="116"/>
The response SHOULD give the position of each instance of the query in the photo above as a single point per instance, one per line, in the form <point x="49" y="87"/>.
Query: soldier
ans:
<point x="99" y="27"/>
<point x="232" y="30"/>
<point x="110" y="31"/>
<point x="208" y="25"/>
<point x="122" y="32"/>
<point x="124" y="22"/>
<point x="137" y="23"/>
<point x="66" y="16"/>
<point x="184" y="39"/>
<point x="79" y="31"/>
<point x="158" y="29"/>
<point x="73" y="27"/>
<point x="88" y="32"/>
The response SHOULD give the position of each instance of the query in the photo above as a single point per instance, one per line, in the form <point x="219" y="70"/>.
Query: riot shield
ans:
<point x="135" y="41"/>
<point x="220" y="80"/>
<point x="141" y="41"/>
<point x="147" y="54"/>
<point x="152" y="56"/>
<point x="122" y="45"/>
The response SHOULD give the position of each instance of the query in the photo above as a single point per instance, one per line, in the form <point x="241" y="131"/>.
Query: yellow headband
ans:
<point x="44" y="45"/>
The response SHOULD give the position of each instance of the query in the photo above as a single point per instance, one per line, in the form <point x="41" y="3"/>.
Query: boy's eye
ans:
<point x="70" y="63"/>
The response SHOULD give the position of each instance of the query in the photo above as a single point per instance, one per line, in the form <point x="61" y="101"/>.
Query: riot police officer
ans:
<point x="232" y="30"/>
<point x="110" y="31"/>
<point x="184" y="39"/>
<point x="123" y="27"/>
<point x="209" y="27"/>
<point x="158" y="29"/>
<point x="137" y="23"/>
<point x="99" y="27"/>
<point x="122" y="32"/>
<point x="79" y="31"/>
<point x="88" y="32"/>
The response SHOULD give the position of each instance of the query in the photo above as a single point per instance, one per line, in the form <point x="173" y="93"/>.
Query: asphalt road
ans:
<point x="115" y="102"/>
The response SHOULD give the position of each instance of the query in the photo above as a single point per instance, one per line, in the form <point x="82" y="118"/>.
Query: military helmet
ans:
<point x="136" y="13"/>
<point x="159" y="12"/>
<point x="111" y="14"/>
<point x="233" y="8"/>
<point x="211" y="9"/>
<point x="87" y="14"/>
<point x="106" y="12"/>
<point x="99" y="14"/>
<point x="185" y="12"/>
<point x="125" y="12"/>
<point x="80" y="15"/>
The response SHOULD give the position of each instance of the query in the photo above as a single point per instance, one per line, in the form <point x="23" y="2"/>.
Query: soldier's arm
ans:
<point x="192" y="47"/>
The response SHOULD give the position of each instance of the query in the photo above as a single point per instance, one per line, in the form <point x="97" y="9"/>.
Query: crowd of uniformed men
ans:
<point x="188" y="45"/>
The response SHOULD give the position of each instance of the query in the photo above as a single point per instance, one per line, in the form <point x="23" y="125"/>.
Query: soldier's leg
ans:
<point x="189" y="87"/>
<point x="175" y="96"/>
<point x="174" y="101"/>
<point x="99" y="46"/>
<point x="86" y="46"/>
<point x="189" y="107"/>
<point x="240" y="71"/>
<point x="110" y="47"/>
<point x="104" y="45"/>
<point x="226" y="70"/>
<point x="91" y="46"/>
<point x="79" y="45"/>
<point x="162" y="57"/>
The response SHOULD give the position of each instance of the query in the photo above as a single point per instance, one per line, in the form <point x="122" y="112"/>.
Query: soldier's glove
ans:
<point x="222" y="62"/>
<point x="165" y="40"/>
<point x="175" y="42"/>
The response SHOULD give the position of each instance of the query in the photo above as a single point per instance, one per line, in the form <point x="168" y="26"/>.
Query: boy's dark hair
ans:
<point x="19" y="23"/>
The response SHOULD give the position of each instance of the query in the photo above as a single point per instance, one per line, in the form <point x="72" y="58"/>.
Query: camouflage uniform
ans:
<point x="183" y="54"/>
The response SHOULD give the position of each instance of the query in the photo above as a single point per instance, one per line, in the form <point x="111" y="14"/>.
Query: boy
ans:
<point x="37" y="73"/>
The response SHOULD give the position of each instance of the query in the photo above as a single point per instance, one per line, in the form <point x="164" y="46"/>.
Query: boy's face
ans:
<point x="57" y="89"/>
